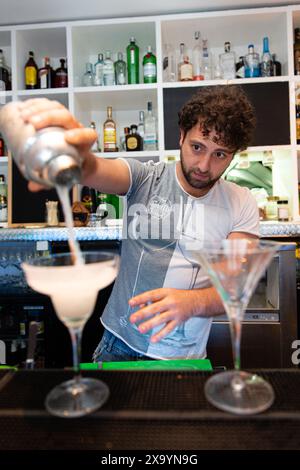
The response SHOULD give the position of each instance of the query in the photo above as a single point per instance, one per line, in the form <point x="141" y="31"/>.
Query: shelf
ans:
<point x="143" y="154"/>
<point x="114" y="88"/>
<point x="237" y="81"/>
<point x="45" y="91"/>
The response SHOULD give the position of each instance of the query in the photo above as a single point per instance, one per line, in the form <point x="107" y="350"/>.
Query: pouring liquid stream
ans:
<point x="63" y="194"/>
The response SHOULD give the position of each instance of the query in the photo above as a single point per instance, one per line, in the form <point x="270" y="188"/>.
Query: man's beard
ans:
<point x="207" y="183"/>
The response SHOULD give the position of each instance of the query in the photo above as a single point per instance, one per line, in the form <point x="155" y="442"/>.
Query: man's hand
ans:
<point x="41" y="113"/>
<point x="165" y="306"/>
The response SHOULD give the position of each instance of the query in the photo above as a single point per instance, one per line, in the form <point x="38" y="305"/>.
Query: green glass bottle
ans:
<point x="149" y="67"/>
<point x="133" y="62"/>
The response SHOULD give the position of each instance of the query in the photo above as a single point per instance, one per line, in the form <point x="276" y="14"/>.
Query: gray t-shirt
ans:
<point x="160" y="220"/>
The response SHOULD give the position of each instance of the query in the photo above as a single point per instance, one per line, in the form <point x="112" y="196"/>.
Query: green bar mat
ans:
<point x="179" y="364"/>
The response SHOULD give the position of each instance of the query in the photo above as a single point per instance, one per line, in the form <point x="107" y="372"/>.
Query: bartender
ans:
<point x="162" y="304"/>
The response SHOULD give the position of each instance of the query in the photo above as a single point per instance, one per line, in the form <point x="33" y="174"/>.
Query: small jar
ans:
<point x="271" y="208"/>
<point x="283" y="210"/>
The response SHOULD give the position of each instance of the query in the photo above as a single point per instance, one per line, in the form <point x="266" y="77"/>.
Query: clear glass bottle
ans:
<point x="266" y="66"/>
<point x="149" y="66"/>
<point x="98" y="67"/>
<point x="133" y="52"/>
<point x="108" y="70"/>
<point x="3" y="208"/>
<point x="88" y="77"/>
<point x="120" y="70"/>
<point x="271" y="208"/>
<point x="186" y="70"/>
<point x="283" y="210"/>
<point x="169" y="64"/>
<point x="206" y="61"/>
<point x="109" y="133"/>
<point x="227" y="62"/>
<point x="3" y="186"/>
<point x="252" y="63"/>
<point x="150" y="137"/>
<point x="197" y="56"/>
<point x="95" y="146"/>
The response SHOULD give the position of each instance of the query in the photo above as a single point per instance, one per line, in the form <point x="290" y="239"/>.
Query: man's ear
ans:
<point x="181" y="138"/>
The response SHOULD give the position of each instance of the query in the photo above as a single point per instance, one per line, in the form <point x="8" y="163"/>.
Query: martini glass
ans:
<point x="234" y="267"/>
<point x="73" y="289"/>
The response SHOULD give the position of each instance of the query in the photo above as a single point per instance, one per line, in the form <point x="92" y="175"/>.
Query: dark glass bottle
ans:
<point x="297" y="51"/>
<point x="240" y="68"/>
<point x="133" y="140"/>
<point x="2" y="147"/>
<point x="45" y="75"/>
<point x="5" y="83"/>
<point x="276" y="67"/>
<point x="61" y="75"/>
<point x="89" y="199"/>
<point x="31" y="73"/>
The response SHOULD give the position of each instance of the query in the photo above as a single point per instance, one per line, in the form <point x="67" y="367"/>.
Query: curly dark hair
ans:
<point x="224" y="109"/>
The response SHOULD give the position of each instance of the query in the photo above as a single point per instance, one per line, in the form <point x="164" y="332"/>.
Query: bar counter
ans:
<point x="146" y="410"/>
<point x="114" y="232"/>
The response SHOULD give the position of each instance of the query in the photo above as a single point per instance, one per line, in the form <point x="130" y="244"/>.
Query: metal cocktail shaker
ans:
<point x="42" y="156"/>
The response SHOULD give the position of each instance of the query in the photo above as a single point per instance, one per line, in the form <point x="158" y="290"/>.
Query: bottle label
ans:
<point x="110" y="139"/>
<point x="132" y="143"/>
<point x="150" y="70"/>
<point x="30" y="76"/>
<point x="186" y="72"/>
<point x="150" y="140"/>
<point x="43" y="79"/>
<point x="132" y="58"/>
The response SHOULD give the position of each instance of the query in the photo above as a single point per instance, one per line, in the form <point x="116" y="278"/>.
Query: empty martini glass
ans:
<point x="73" y="289"/>
<point x="234" y="267"/>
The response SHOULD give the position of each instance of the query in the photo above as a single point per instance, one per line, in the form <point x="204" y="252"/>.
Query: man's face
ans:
<point x="202" y="160"/>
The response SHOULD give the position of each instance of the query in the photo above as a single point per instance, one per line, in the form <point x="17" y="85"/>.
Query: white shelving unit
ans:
<point x="81" y="41"/>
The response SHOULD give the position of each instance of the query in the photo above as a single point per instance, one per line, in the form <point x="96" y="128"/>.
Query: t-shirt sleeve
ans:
<point x="139" y="173"/>
<point x="245" y="213"/>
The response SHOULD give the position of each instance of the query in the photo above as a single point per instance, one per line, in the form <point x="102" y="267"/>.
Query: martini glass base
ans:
<point x="253" y="394"/>
<point x="76" y="398"/>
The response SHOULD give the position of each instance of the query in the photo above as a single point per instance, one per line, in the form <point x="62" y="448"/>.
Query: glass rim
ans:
<point x="41" y="262"/>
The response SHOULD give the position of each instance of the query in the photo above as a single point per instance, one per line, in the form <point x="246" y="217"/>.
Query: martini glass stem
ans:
<point x="76" y="334"/>
<point x="235" y="314"/>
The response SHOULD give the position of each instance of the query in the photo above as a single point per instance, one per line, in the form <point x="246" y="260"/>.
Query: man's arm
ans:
<point x="109" y="176"/>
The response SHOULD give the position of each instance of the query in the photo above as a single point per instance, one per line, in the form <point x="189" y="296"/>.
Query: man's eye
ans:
<point x="220" y="155"/>
<point x="196" y="147"/>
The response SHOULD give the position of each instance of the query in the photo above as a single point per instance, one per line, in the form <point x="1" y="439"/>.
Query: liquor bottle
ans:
<point x="240" y="68"/>
<point x="133" y="62"/>
<point x="297" y="121"/>
<point x="120" y="70"/>
<point x="31" y="71"/>
<point x="95" y="147"/>
<point x="182" y="53"/>
<point x="150" y="137"/>
<point x="141" y="127"/>
<point x="3" y="208"/>
<point x="61" y="75"/>
<point x="2" y="146"/>
<point x="45" y="75"/>
<point x="111" y="205"/>
<point x="297" y="51"/>
<point x="185" y="72"/>
<point x="206" y="62"/>
<point x="108" y="70"/>
<point x="109" y="133"/>
<point x="149" y="66"/>
<point x="5" y="83"/>
<point x="276" y="66"/>
<point x="98" y="67"/>
<point x="251" y="63"/>
<point x="123" y="139"/>
<point x="88" y="76"/>
<point x="197" y="57"/>
<point x="227" y="62"/>
<point x="89" y="199"/>
<point x="169" y="64"/>
<point x="3" y="186"/>
<point x="266" y="66"/>
<point x="133" y="140"/>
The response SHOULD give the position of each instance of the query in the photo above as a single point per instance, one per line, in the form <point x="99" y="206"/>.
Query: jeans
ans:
<point x="111" y="349"/>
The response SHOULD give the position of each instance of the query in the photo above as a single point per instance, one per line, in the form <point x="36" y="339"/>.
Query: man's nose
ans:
<point x="204" y="163"/>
